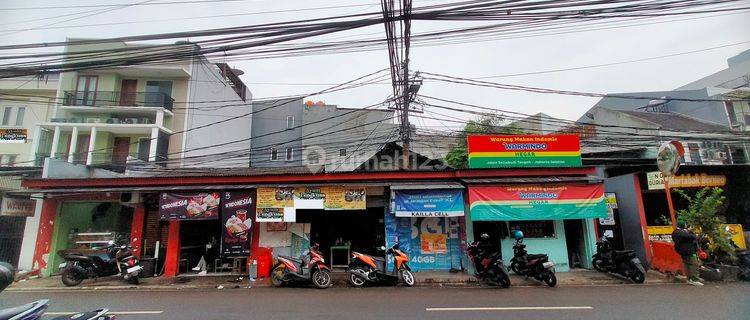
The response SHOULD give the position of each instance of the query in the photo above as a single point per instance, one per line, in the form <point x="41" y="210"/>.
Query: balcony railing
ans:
<point x="118" y="98"/>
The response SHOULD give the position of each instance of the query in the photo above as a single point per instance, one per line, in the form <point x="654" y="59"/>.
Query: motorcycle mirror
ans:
<point x="111" y="242"/>
<point x="382" y="248"/>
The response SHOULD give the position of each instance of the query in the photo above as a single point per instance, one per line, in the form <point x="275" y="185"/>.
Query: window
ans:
<point x="274" y="154"/>
<point x="290" y="122"/>
<point x="289" y="154"/>
<point x="86" y="90"/>
<point x="19" y="115"/>
<point x="6" y="115"/>
<point x="342" y="152"/>
<point x="534" y="229"/>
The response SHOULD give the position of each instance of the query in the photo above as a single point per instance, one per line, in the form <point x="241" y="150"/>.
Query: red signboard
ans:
<point x="525" y="151"/>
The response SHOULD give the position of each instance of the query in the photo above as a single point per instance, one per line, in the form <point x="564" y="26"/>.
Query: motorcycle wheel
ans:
<point x="134" y="280"/>
<point x="637" y="276"/>
<point x="407" y="277"/>
<point x="277" y="276"/>
<point x="321" y="279"/>
<point x="598" y="265"/>
<point x="356" y="281"/>
<point x="503" y="280"/>
<point x="72" y="276"/>
<point x="550" y="279"/>
<point x="514" y="267"/>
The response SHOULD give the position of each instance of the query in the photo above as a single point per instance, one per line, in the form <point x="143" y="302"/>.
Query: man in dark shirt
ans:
<point x="686" y="245"/>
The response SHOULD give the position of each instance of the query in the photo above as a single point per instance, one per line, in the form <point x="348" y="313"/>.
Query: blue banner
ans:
<point x="429" y="203"/>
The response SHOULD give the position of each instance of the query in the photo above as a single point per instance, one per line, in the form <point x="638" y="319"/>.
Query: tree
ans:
<point x="702" y="216"/>
<point x="458" y="156"/>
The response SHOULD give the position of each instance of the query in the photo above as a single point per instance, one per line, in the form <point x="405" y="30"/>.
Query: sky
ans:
<point x="285" y="76"/>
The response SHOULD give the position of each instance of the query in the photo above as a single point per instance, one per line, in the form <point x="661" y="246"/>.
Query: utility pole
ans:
<point x="398" y="54"/>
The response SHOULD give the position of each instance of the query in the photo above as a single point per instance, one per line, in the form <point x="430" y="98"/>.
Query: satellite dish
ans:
<point x="668" y="157"/>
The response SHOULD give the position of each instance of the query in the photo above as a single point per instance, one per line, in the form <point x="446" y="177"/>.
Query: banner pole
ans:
<point x="670" y="204"/>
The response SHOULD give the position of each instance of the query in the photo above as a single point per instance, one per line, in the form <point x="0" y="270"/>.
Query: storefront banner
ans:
<point x="18" y="207"/>
<point x="537" y="202"/>
<point x="524" y="151"/>
<point x="326" y="197"/>
<point x="13" y="135"/>
<point x="655" y="180"/>
<point x="269" y="215"/>
<point x="236" y="217"/>
<point x="429" y="203"/>
<point x="194" y="206"/>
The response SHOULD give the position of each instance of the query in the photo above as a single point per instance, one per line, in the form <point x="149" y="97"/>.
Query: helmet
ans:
<point x="518" y="234"/>
<point x="6" y="275"/>
<point x="484" y="236"/>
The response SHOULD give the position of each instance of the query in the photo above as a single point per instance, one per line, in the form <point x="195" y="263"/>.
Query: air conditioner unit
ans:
<point x="74" y="120"/>
<point x="130" y="121"/>
<point x="113" y="120"/>
<point x="93" y="120"/>
<point x="61" y="120"/>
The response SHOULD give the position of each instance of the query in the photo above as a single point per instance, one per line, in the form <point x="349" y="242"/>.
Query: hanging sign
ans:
<point x="325" y="197"/>
<point x="611" y="200"/>
<point x="524" y="151"/>
<point x="269" y="215"/>
<point x="655" y="180"/>
<point x="537" y="202"/>
<point x="428" y="203"/>
<point x="18" y="207"/>
<point x="193" y="206"/>
<point x="13" y="135"/>
<point x="236" y="217"/>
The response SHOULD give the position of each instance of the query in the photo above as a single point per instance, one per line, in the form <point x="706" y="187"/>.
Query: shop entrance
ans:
<point x="495" y="229"/>
<point x="345" y="231"/>
<point x="199" y="239"/>
<point x="574" y="240"/>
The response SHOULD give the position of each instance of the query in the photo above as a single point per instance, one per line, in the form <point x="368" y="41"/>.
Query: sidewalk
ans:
<point x="424" y="279"/>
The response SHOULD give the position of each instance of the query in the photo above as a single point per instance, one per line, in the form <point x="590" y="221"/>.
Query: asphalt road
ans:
<point x="727" y="301"/>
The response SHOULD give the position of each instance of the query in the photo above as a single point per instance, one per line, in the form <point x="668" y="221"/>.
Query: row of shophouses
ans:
<point x="141" y="153"/>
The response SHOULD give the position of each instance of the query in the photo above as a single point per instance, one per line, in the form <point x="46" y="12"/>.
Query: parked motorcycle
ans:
<point x="310" y="267"/>
<point x="490" y="268"/>
<point x="366" y="268"/>
<point x="116" y="260"/>
<point x="536" y="266"/>
<point x="624" y="262"/>
<point x="35" y="310"/>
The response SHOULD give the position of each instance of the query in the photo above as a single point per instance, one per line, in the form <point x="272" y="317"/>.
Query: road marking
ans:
<point x="63" y="313"/>
<point x="510" y="308"/>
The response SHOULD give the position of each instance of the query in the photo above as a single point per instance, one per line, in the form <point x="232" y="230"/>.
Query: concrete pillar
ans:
<point x="44" y="236"/>
<point x="55" y="142"/>
<point x="154" y="144"/>
<point x="159" y="118"/>
<point x="172" y="259"/>
<point x="92" y="147"/>
<point x="136" y="230"/>
<point x="28" y="245"/>
<point x="35" y="143"/>
<point x="73" y="144"/>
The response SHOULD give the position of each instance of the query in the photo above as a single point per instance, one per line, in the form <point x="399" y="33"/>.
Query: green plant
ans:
<point x="702" y="216"/>
<point x="458" y="156"/>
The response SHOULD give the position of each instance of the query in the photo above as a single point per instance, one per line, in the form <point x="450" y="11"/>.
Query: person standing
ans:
<point x="686" y="245"/>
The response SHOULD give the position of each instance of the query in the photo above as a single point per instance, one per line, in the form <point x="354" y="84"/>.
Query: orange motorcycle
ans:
<point x="369" y="269"/>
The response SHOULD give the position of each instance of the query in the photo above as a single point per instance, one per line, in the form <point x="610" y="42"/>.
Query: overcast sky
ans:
<point x="274" y="77"/>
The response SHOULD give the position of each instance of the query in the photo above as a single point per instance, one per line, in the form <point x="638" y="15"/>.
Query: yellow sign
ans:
<point x="275" y="197"/>
<point x="434" y="243"/>
<point x="655" y="180"/>
<point x="738" y="235"/>
<point x="660" y="233"/>
<point x="345" y="198"/>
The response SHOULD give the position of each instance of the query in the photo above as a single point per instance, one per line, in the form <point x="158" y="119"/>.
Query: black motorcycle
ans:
<point x="624" y="262"/>
<point x="35" y="310"/>
<point x="536" y="266"/>
<point x="115" y="260"/>
<point x="490" y="268"/>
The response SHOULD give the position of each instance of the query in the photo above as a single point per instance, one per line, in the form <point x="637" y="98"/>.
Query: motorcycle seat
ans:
<point x="624" y="252"/>
<point x="12" y="312"/>
<point x="378" y="259"/>
<point x="297" y="260"/>
<point x="536" y="256"/>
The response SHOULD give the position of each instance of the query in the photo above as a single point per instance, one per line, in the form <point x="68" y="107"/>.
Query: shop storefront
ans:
<point x="339" y="218"/>
<point x="556" y="219"/>
<point x="427" y="222"/>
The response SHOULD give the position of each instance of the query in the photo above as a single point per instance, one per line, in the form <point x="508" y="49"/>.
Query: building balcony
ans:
<point x="118" y="99"/>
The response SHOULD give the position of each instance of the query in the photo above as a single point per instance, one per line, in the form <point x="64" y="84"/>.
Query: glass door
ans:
<point x="86" y="90"/>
